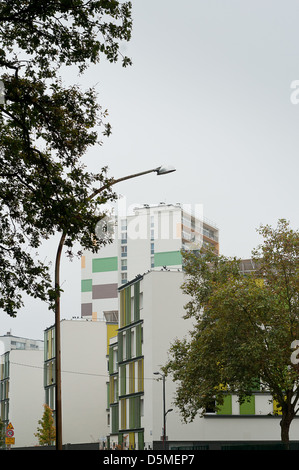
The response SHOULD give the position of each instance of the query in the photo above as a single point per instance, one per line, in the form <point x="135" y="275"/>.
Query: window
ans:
<point x="124" y="251"/>
<point x="211" y="407"/>
<point x="139" y="332"/>
<point x="50" y="397"/>
<point x="18" y="345"/>
<point x="49" y="375"/>
<point x="137" y="301"/>
<point x="122" y="390"/>
<point x="132" y="377"/>
<point x="134" y="409"/>
<point x="123" y="411"/>
<point x="115" y="364"/>
<point x="140" y="376"/>
<point x="113" y="390"/>
<point x="114" y="419"/>
<point x="123" y="264"/>
<point x="133" y="349"/>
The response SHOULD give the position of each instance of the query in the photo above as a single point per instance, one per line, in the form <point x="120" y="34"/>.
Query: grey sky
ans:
<point x="209" y="92"/>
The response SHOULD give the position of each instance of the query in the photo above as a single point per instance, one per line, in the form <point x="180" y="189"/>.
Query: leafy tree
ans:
<point x="244" y="328"/>
<point x="46" y="433"/>
<point x="46" y="129"/>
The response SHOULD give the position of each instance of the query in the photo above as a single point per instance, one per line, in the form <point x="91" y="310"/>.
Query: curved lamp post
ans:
<point x="161" y="170"/>
<point x="164" y="408"/>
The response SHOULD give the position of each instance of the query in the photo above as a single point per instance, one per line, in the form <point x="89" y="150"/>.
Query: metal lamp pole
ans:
<point x="161" y="170"/>
<point x="164" y="408"/>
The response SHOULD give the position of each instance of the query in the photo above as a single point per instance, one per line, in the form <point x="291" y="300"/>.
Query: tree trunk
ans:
<point x="287" y="418"/>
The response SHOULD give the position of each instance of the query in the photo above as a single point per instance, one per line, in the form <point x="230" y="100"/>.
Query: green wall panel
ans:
<point x="86" y="285"/>
<point x="167" y="258"/>
<point x="137" y="301"/>
<point x="248" y="407"/>
<point x="226" y="407"/>
<point x="100" y="265"/>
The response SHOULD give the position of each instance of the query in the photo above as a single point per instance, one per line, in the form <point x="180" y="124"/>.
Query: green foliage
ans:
<point x="46" y="128"/>
<point x="53" y="33"/>
<point x="46" y="432"/>
<point x="244" y="326"/>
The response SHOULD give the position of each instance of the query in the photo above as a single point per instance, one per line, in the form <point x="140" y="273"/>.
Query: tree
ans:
<point x="46" y="431"/>
<point x="46" y="128"/>
<point x="244" y="328"/>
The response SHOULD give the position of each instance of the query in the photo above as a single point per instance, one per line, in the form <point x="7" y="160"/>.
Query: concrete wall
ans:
<point x="163" y="310"/>
<point x="26" y="394"/>
<point x="84" y="377"/>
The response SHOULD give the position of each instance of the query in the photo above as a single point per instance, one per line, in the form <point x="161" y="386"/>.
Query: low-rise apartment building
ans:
<point x="21" y="387"/>
<point x="151" y="310"/>
<point x="84" y="375"/>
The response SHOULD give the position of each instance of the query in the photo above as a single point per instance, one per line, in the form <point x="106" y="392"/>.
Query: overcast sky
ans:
<point x="210" y="93"/>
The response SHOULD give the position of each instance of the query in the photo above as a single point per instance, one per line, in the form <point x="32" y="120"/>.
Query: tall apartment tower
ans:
<point x="152" y="238"/>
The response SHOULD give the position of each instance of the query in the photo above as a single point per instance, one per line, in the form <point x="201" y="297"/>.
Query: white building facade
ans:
<point x="151" y="238"/>
<point x="84" y="376"/>
<point x="150" y="319"/>
<point x="21" y="387"/>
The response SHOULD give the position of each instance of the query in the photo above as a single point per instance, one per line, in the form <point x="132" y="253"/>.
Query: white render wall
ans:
<point x="26" y="394"/>
<point x="163" y="310"/>
<point x="162" y="313"/>
<point x="84" y="377"/>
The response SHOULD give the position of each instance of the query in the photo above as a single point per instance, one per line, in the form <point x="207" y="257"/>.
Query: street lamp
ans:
<point x="164" y="407"/>
<point x="161" y="170"/>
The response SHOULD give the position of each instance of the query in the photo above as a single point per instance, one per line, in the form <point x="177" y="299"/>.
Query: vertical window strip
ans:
<point x="128" y="305"/>
<point x="135" y="415"/>
<point x="136" y="301"/>
<point x="138" y="340"/>
<point x="128" y="345"/>
<point x="111" y="387"/>
<point x="122" y="308"/>
<point x="111" y="367"/>
<point x="114" y="419"/>
<point x="131" y="440"/>
<point x="132" y="413"/>
<point x="132" y="377"/>
<point x="123" y="380"/>
<point x="140" y="376"/>
<point x="123" y="411"/>
<point x="140" y="441"/>
<point x="120" y="346"/>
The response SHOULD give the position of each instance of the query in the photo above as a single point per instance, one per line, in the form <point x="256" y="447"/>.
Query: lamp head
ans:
<point x="164" y="170"/>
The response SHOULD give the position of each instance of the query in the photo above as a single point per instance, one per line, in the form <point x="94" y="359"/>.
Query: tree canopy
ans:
<point x="46" y="432"/>
<point x="46" y="129"/>
<point x="244" y="327"/>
